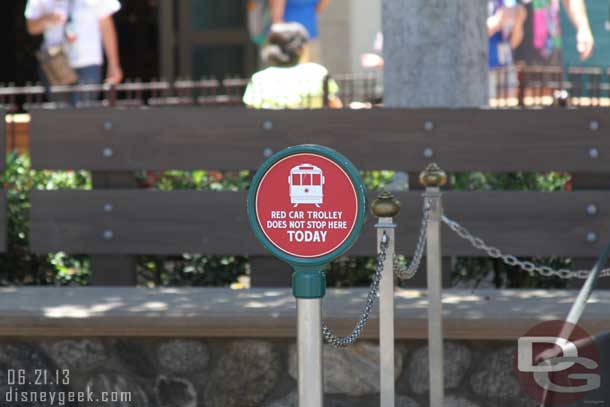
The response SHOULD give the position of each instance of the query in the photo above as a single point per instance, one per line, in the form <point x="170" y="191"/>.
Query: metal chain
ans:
<point x="511" y="260"/>
<point x="406" y="273"/>
<point x="343" y="341"/>
<point x="400" y="272"/>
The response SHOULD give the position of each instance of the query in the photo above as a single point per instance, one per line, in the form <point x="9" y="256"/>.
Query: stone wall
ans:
<point x="241" y="373"/>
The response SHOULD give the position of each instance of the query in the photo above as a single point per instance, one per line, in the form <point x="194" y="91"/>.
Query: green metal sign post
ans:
<point x="307" y="205"/>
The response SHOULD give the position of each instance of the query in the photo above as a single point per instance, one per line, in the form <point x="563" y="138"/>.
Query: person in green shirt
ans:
<point x="287" y="83"/>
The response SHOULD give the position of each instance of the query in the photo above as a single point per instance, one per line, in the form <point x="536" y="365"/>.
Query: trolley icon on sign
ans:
<point x="306" y="183"/>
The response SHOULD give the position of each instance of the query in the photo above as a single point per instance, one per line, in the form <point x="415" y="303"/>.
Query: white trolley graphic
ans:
<point x="306" y="183"/>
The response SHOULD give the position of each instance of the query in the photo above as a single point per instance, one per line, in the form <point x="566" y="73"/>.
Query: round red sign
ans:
<point x="306" y="205"/>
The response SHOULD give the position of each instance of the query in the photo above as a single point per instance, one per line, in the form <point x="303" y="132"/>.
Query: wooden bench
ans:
<point x="116" y="220"/>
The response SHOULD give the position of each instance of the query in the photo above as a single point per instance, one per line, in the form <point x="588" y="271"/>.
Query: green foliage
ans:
<point x="515" y="181"/>
<point x="192" y="270"/>
<point x="350" y="271"/>
<point x="18" y="265"/>
<point x="374" y="180"/>
<point x="478" y="269"/>
<point x="205" y="180"/>
<point x="232" y="180"/>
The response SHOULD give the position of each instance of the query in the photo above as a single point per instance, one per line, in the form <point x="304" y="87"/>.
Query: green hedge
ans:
<point x="19" y="266"/>
<point x="476" y="270"/>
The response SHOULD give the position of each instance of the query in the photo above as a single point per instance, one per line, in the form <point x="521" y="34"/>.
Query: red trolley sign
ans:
<point x="306" y="205"/>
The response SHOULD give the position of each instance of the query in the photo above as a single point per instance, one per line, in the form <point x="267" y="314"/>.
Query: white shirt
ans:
<point x="87" y="49"/>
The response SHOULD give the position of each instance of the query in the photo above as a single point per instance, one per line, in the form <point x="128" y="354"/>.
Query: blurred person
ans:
<point x="288" y="82"/>
<point x="545" y="47"/>
<point x="82" y="28"/>
<point x="577" y="12"/>
<point x="505" y="29"/>
<point x="306" y="13"/>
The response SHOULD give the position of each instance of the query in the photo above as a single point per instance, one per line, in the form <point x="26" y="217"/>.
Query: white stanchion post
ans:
<point x="433" y="178"/>
<point x="385" y="208"/>
<point x="309" y="349"/>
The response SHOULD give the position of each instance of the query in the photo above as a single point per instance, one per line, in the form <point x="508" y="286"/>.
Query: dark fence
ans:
<point x="116" y="221"/>
<point x="524" y="86"/>
<point x="127" y="94"/>
<point x="550" y="85"/>
<point x="361" y="89"/>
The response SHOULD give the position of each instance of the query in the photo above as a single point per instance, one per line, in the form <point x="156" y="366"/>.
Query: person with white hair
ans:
<point x="288" y="82"/>
<point x="304" y="12"/>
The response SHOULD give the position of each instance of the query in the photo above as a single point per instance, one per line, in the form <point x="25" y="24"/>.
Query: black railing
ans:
<point x="525" y="86"/>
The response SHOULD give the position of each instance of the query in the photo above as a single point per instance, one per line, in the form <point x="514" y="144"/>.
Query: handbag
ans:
<point x="55" y="65"/>
<point x="54" y="61"/>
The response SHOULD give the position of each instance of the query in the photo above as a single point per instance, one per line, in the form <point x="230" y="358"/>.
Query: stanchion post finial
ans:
<point x="385" y="206"/>
<point x="433" y="176"/>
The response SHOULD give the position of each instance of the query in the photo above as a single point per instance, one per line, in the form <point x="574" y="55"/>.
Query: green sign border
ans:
<point x="310" y="264"/>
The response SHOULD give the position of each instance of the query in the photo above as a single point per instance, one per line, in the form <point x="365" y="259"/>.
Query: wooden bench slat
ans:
<point x="234" y="138"/>
<point x="158" y="222"/>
